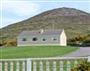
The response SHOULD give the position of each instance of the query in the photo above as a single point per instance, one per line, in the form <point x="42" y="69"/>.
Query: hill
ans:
<point x="75" y="22"/>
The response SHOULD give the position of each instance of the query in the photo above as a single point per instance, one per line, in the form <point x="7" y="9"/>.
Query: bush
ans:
<point x="11" y="42"/>
<point x="2" y="43"/>
<point x="83" y="66"/>
<point x="80" y="41"/>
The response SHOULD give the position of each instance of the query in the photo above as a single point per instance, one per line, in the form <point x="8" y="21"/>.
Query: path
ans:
<point x="82" y="51"/>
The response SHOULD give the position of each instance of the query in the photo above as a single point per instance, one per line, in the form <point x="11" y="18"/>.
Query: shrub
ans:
<point x="11" y="42"/>
<point x="80" y="41"/>
<point x="83" y="66"/>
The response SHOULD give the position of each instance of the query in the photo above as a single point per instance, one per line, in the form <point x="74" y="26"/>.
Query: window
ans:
<point x="44" y="39"/>
<point x="54" y="39"/>
<point x="34" y="39"/>
<point x="24" y="39"/>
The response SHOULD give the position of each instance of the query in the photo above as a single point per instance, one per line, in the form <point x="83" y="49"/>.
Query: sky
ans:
<point x="12" y="11"/>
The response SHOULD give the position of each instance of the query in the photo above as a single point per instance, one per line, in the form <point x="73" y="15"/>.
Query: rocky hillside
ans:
<point x="74" y="22"/>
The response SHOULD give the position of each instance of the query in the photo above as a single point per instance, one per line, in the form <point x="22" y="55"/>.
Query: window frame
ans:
<point x="44" y="39"/>
<point x="34" y="39"/>
<point x="24" y="39"/>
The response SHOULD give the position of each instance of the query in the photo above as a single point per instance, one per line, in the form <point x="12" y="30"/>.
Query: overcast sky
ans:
<point x="13" y="11"/>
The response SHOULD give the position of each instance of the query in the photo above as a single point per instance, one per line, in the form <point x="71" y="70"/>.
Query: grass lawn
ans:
<point x="34" y="51"/>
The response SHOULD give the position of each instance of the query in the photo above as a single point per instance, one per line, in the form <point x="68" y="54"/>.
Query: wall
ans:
<point x="63" y="39"/>
<point x="49" y="40"/>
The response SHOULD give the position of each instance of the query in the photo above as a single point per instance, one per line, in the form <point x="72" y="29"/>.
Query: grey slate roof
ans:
<point x="38" y="32"/>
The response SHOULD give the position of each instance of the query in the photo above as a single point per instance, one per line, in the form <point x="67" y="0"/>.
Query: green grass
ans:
<point x="34" y="51"/>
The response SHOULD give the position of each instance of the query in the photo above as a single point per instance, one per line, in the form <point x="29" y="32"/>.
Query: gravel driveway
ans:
<point x="82" y="51"/>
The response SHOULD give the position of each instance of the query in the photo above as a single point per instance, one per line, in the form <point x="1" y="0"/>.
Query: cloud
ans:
<point x="13" y="11"/>
<point x="21" y="7"/>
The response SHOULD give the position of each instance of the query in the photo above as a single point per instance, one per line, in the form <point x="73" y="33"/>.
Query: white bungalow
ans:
<point x="42" y="37"/>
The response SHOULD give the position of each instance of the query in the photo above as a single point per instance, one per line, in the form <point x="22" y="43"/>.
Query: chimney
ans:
<point x="41" y="31"/>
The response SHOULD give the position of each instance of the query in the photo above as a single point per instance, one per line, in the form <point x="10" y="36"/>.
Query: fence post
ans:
<point x="75" y="63"/>
<point x="17" y="66"/>
<point x="11" y="66"/>
<point x="54" y="65"/>
<point x="88" y="58"/>
<point x="0" y="66"/>
<point x="61" y="65"/>
<point x="68" y="66"/>
<point x="41" y="66"/>
<point x="29" y="65"/>
<point x="6" y="66"/>
<point x="34" y="66"/>
<point x="23" y="66"/>
<point x="47" y="66"/>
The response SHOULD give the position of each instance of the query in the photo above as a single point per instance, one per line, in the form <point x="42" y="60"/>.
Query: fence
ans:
<point x="40" y="64"/>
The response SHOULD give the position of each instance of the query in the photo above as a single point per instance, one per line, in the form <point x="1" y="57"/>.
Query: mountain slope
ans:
<point x="74" y="22"/>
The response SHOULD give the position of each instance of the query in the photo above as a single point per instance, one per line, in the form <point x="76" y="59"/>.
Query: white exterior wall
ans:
<point x="63" y="39"/>
<point x="29" y="42"/>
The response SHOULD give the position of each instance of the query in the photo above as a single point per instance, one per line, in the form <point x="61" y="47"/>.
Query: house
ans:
<point x="42" y="37"/>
